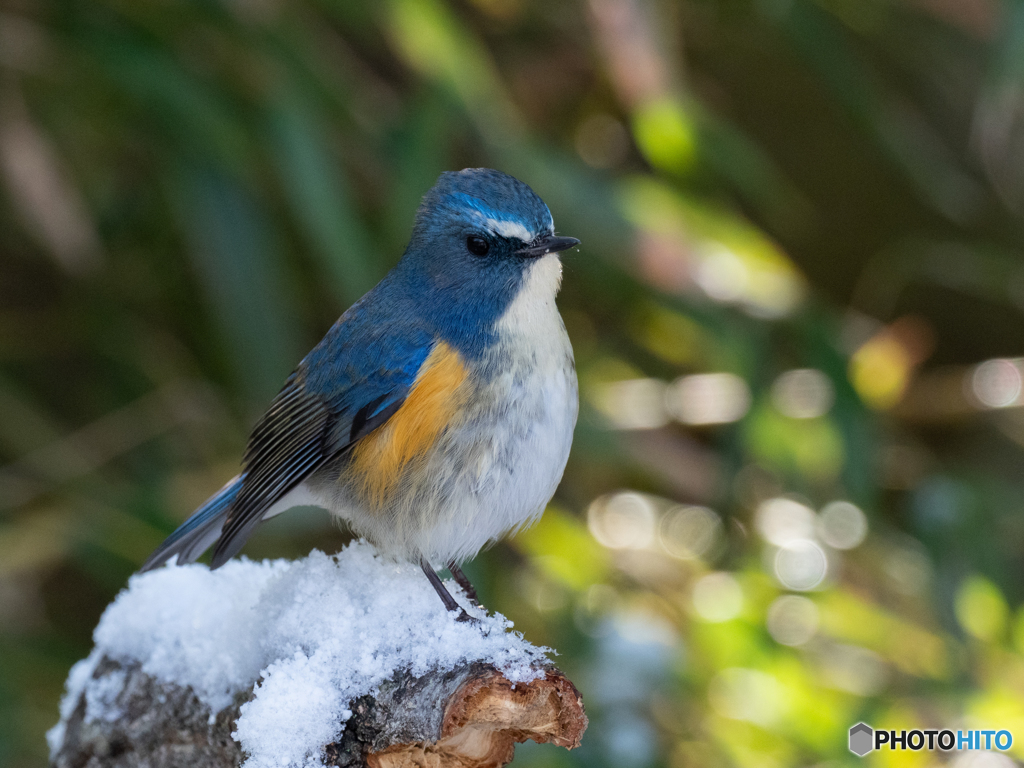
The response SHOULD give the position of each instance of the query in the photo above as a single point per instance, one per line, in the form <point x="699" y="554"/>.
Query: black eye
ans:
<point x="477" y="245"/>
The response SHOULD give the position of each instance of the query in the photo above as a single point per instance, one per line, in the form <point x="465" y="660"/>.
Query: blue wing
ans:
<point x="347" y="386"/>
<point x="350" y="384"/>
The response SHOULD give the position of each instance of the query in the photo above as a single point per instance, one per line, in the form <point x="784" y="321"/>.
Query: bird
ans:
<point x="436" y="415"/>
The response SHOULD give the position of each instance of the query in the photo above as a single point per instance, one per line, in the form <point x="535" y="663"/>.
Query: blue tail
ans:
<point x="199" y="532"/>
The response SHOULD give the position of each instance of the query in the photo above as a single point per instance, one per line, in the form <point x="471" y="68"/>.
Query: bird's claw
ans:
<point x="466" y="618"/>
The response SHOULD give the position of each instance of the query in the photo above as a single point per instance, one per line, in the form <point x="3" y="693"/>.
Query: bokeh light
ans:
<point x="800" y="565"/>
<point x="782" y="521"/>
<point x="997" y="383"/>
<point x="907" y="566"/>
<point x="722" y="274"/>
<point x="842" y="525"/>
<point x="717" y="597"/>
<point x="854" y="669"/>
<point x="792" y="620"/>
<point x="981" y="608"/>
<point x="803" y="394"/>
<point x="635" y="404"/>
<point x="708" y="398"/>
<point x="623" y="520"/>
<point x="880" y="370"/>
<point x="690" y="532"/>
<point x="749" y="694"/>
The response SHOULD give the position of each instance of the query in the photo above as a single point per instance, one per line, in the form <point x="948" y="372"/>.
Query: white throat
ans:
<point x="533" y="309"/>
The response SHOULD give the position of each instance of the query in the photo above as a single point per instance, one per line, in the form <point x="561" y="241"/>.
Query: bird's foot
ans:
<point x="464" y="582"/>
<point x="465" y="618"/>
<point x="446" y="598"/>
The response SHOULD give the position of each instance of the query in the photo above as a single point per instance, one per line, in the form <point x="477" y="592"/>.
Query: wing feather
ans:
<point x="311" y="422"/>
<point x="287" y="444"/>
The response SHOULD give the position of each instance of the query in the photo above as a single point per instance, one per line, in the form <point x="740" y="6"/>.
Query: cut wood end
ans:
<point x="487" y="716"/>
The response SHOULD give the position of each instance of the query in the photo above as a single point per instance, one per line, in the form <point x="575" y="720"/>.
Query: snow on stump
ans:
<point x="327" y="661"/>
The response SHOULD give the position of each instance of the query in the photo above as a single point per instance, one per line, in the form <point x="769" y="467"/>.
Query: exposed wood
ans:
<point x="487" y="716"/>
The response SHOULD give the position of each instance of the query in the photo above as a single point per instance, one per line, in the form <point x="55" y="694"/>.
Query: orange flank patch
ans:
<point x="380" y="459"/>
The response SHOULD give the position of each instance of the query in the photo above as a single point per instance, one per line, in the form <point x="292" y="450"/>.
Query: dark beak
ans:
<point x="546" y="244"/>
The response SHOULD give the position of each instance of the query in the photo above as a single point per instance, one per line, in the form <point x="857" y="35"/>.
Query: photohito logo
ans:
<point x="864" y="738"/>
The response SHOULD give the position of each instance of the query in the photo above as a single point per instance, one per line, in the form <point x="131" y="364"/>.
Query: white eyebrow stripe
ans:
<point x="509" y="229"/>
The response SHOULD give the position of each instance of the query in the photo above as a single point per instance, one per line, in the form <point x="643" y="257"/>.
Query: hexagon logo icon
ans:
<point x="862" y="738"/>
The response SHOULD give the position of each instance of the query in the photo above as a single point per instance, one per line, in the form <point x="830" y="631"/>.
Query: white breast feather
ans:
<point x="534" y="339"/>
<point x="534" y="403"/>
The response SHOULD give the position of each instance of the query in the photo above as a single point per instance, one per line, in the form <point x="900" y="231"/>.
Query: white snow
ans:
<point x="311" y="635"/>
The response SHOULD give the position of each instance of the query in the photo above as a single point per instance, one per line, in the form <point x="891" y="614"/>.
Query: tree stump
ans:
<point x="268" y="662"/>
<point x="468" y="717"/>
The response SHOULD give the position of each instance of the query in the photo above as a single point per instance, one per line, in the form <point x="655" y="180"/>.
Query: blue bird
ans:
<point x="436" y="415"/>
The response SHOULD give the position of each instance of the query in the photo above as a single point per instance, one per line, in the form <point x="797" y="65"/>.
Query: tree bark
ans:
<point x="468" y="717"/>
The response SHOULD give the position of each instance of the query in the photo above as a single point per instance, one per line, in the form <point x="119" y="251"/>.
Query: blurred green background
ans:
<point x="795" y="498"/>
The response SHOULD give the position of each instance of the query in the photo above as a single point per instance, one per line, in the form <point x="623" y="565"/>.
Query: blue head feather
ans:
<point x="463" y="293"/>
<point x="479" y="198"/>
<point x="439" y="290"/>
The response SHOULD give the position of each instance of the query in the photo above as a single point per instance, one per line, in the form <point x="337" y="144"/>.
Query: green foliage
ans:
<point x="794" y="497"/>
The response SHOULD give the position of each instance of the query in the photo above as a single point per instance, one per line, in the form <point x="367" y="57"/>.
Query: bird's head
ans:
<point x="480" y="235"/>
